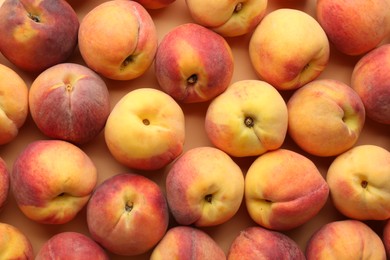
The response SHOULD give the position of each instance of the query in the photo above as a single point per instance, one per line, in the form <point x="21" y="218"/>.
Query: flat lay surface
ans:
<point x="339" y="67"/>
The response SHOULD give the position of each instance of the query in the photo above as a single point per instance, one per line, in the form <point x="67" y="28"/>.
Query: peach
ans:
<point x="4" y="183"/>
<point x="228" y="18"/>
<point x="256" y="242"/>
<point x="325" y="117"/>
<point x="284" y="190"/>
<point x="36" y="35"/>
<point x="145" y="129"/>
<point x="354" y="27"/>
<point x="70" y="102"/>
<point x="288" y="49"/>
<point x="118" y="39"/>
<point x="127" y="214"/>
<point x="14" y="244"/>
<point x="359" y="182"/>
<point x="204" y="187"/>
<point x="155" y="4"/>
<point x="71" y="245"/>
<point x="193" y="63"/>
<point x="14" y="100"/>
<point x="386" y="237"/>
<point x="248" y="119"/>
<point x="52" y="180"/>
<point x="345" y="239"/>
<point x="186" y="242"/>
<point x="370" y="79"/>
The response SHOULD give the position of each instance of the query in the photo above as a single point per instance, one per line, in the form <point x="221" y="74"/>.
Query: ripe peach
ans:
<point x="52" y="180"/>
<point x="325" y="117"/>
<point x="145" y="129"/>
<point x="36" y="35"/>
<point x="228" y="18"/>
<point x="256" y="242"/>
<point x="284" y="189"/>
<point x="359" y="182"/>
<point x="70" y="102"/>
<point x="14" y="244"/>
<point x="354" y="27"/>
<point x="71" y="245"/>
<point x="288" y="49"/>
<point x="248" y="119"/>
<point x="386" y="237"/>
<point x="193" y="63"/>
<point x="345" y="239"/>
<point x="127" y="214"/>
<point x="204" y="187"/>
<point x="186" y="242"/>
<point x="371" y="80"/>
<point x="118" y="39"/>
<point x="14" y="100"/>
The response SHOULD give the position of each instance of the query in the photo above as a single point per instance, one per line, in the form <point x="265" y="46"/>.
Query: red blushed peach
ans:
<point x="345" y="239"/>
<point x="127" y="214"/>
<point x="14" y="244"/>
<point x="354" y="27"/>
<point x="36" y="35"/>
<point x="4" y="183"/>
<point x="186" y="242"/>
<point x="325" y="117"/>
<point x="52" y="180"/>
<point x="70" y="102"/>
<point x="14" y="104"/>
<point x="71" y="245"/>
<point x="359" y="182"/>
<point x="260" y="243"/>
<point x="118" y="39"/>
<point x="193" y="63"/>
<point x="288" y="48"/>
<point x="204" y="187"/>
<point x="284" y="189"/>
<point x="371" y="80"/>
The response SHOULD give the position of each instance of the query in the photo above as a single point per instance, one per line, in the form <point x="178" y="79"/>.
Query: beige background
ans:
<point x="340" y="68"/>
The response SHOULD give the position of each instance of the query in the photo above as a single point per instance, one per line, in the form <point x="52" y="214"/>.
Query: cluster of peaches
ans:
<point x="248" y="166"/>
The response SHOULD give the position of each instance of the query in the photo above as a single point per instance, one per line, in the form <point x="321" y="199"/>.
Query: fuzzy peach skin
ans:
<point x="145" y="130"/>
<point x="228" y="18"/>
<point x="14" y="104"/>
<point x="370" y="79"/>
<point x="359" y="182"/>
<point x="127" y="214"/>
<point x="4" y="183"/>
<point x="186" y="242"/>
<point x="37" y="34"/>
<point x="71" y="245"/>
<point x="325" y="117"/>
<point x="386" y="237"/>
<point x="14" y="244"/>
<point x="204" y="187"/>
<point x="193" y="63"/>
<point x="345" y="239"/>
<point x="284" y="189"/>
<point x="256" y="242"/>
<point x="288" y="49"/>
<point x="118" y="39"/>
<point x="248" y="119"/>
<point x="155" y="4"/>
<point x="69" y="101"/>
<point x="52" y="181"/>
<point x="354" y="27"/>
